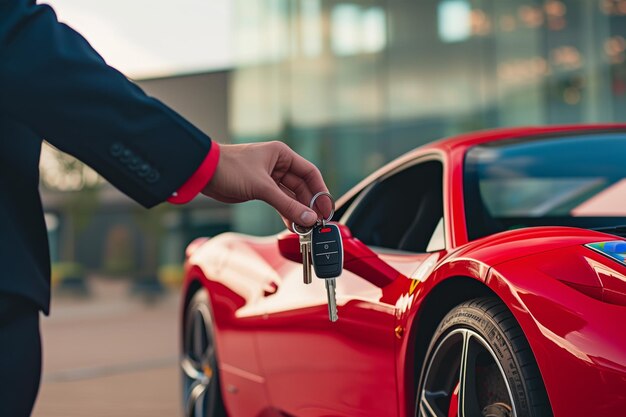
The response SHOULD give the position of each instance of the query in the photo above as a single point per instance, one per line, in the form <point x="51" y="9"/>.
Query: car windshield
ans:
<point x="577" y="180"/>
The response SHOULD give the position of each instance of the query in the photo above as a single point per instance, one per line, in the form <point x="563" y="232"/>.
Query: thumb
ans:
<point x="288" y="207"/>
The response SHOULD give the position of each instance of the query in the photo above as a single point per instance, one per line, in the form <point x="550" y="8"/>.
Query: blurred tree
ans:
<point x="79" y="184"/>
<point x="63" y="172"/>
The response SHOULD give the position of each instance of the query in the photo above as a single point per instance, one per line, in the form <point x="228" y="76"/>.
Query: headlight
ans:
<point x="614" y="249"/>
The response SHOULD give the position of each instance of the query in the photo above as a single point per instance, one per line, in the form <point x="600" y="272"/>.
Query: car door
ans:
<point x="313" y="367"/>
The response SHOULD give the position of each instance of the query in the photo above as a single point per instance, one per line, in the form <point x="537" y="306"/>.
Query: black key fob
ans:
<point x="327" y="251"/>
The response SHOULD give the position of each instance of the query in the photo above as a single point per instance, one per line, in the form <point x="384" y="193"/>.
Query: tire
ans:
<point x="479" y="364"/>
<point x="202" y="395"/>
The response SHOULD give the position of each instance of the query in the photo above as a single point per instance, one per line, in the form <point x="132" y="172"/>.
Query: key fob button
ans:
<point x="327" y="258"/>
<point x="326" y="247"/>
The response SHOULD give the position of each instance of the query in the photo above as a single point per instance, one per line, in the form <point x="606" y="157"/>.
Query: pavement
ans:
<point x="110" y="355"/>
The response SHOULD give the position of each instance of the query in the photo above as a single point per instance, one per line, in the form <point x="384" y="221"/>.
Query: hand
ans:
<point x="271" y="172"/>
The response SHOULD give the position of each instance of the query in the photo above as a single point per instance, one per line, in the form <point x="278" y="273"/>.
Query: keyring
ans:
<point x="295" y="226"/>
<point x="332" y="211"/>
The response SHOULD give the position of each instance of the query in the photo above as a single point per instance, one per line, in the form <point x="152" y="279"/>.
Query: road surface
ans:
<point x="110" y="355"/>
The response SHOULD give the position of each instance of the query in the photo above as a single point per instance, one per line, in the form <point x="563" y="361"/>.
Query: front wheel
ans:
<point x="479" y="364"/>
<point x="201" y="389"/>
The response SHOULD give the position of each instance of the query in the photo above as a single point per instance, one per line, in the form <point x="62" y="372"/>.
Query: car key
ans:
<point x="327" y="254"/>
<point x="331" y="284"/>
<point x="305" y="249"/>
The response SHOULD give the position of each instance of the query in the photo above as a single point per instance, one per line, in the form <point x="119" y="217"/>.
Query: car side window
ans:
<point x="403" y="211"/>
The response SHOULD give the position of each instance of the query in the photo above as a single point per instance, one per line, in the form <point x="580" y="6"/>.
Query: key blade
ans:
<point x="305" y="249"/>
<point x="332" y="300"/>
<point x="306" y="265"/>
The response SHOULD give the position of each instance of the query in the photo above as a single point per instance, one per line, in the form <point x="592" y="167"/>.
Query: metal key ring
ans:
<point x="294" y="227"/>
<point x="332" y="211"/>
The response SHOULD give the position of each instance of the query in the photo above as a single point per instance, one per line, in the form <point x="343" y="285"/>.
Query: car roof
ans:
<point x="493" y="135"/>
<point x="464" y="141"/>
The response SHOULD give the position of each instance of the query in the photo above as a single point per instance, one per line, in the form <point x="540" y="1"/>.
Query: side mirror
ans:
<point x="357" y="257"/>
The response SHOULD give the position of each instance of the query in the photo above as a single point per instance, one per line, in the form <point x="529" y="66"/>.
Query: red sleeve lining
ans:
<point x="199" y="179"/>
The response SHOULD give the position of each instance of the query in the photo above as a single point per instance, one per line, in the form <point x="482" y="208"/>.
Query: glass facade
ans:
<point x="353" y="84"/>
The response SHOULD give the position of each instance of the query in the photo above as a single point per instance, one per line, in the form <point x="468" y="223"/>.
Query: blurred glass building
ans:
<point x="348" y="84"/>
<point x="353" y="84"/>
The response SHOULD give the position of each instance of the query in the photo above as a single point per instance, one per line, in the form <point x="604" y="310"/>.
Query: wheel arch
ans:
<point x="436" y="304"/>
<point x="191" y="289"/>
<point x="193" y="283"/>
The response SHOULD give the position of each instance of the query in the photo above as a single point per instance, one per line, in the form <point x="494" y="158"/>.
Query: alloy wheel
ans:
<point x="198" y="363"/>
<point x="464" y="379"/>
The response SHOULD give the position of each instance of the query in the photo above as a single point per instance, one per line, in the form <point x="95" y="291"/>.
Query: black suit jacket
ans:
<point x="54" y="86"/>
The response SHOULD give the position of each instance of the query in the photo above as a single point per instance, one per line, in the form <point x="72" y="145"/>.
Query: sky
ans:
<point x="154" y="38"/>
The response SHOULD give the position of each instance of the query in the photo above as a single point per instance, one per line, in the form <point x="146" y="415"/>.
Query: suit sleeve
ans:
<point x="53" y="81"/>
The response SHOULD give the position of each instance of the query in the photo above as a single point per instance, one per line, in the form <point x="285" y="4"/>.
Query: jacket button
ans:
<point x="134" y="163"/>
<point x="144" y="170"/>
<point x="116" y="149"/>
<point x="126" y="156"/>
<point x="153" y="176"/>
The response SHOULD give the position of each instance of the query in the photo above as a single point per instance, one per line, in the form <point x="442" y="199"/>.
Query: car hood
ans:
<point x="506" y="246"/>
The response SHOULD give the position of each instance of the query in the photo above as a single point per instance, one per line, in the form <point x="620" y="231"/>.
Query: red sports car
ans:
<point x="484" y="275"/>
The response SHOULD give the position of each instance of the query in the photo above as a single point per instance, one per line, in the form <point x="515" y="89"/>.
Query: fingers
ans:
<point x="298" y="187"/>
<point x="301" y="190"/>
<point x="307" y="171"/>
<point x="290" y="194"/>
<point x="305" y="180"/>
<point x="288" y="207"/>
